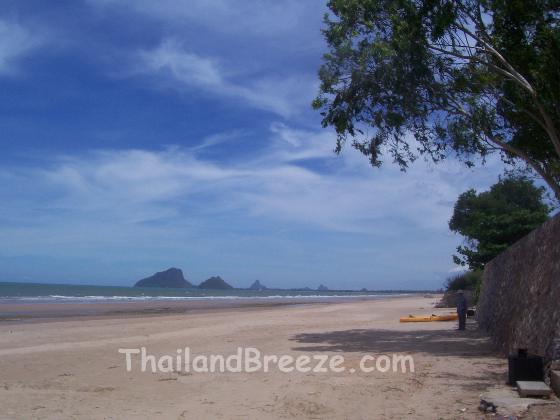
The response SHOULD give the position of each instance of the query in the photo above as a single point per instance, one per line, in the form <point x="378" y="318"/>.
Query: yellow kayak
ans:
<point x="416" y="318"/>
<point x="448" y="317"/>
<point x="429" y="318"/>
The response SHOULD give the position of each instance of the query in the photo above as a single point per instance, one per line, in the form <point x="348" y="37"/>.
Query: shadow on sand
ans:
<point x="470" y="343"/>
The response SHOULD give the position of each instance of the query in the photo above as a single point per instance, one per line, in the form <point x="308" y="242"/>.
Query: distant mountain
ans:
<point x="300" y="289"/>
<point x="322" y="288"/>
<point x="215" y="282"/>
<point x="258" y="286"/>
<point x="172" y="277"/>
<point x="363" y="290"/>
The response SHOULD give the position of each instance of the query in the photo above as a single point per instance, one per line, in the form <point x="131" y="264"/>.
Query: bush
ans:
<point x="477" y="289"/>
<point x="465" y="281"/>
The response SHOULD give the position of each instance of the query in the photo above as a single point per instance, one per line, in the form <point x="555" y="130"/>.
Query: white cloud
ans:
<point x="281" y="183"/>
<point x="216" y="139"/>
<point x="294" y="201"/>
<point x="174" y="67"/>
<point x="16" y="42"/>
<point x="185" y="67"/>
<point x="253" y="17"/>
<point x="257" y="53"/>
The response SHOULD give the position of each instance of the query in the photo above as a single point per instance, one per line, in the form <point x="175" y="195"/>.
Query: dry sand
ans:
<point x="72" y="369"/>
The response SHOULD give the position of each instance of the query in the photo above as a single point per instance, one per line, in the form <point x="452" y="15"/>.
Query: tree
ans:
<point x="491" y="221"/>
<point x="410" y="77"/>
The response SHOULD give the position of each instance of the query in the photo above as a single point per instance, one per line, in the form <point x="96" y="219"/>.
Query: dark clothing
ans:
<point x="462" y="320"/>
<point x="461" y="303"/>
<point x="462" y="311"/>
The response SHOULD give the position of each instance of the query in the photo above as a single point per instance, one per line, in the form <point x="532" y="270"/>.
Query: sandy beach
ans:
<point x="71" y="367"/>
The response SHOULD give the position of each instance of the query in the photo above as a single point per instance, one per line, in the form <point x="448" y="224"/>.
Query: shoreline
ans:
<point x="16" y="313"/>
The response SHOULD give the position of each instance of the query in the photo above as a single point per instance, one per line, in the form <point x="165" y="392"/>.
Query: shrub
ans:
<point x="469" y="280"/>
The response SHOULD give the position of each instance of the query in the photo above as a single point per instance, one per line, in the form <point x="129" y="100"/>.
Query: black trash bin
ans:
<point x="524" y="367"/>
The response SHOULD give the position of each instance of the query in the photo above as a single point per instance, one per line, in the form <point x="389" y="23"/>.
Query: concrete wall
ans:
<point x="520" y="298"/>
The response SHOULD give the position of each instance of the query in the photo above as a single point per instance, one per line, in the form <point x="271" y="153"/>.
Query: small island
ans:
<point x="170" y="278"/>
<point x="173" y="278"/>
<point x="257" y="285"/>
<point x="215" y="283"/>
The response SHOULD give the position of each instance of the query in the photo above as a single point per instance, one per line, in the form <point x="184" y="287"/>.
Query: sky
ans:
<point x="139" y="135"/>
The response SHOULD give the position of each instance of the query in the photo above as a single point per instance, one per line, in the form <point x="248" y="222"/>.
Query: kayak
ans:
<point x="416" y="318"/>
<point x="429" y="318"/>
<point x="449" y="317"/>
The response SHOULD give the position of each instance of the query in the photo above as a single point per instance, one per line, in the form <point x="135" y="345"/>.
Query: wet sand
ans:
<point x="52" y="311"/>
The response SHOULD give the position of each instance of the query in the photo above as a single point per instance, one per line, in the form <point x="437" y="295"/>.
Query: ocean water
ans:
<point x="47" y="293"/>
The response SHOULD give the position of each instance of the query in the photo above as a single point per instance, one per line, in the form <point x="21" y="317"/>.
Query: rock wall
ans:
<point x="519" y="303"/>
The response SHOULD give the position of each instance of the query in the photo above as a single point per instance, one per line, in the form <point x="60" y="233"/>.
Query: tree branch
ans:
<point x="519" y="153"/>
<point x="514" y="75"/>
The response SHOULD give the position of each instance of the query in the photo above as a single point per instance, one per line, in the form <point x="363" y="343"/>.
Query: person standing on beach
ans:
<point x="461" y="309"/>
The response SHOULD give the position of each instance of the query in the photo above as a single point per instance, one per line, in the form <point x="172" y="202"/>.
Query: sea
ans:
<point x="11" y="292"/>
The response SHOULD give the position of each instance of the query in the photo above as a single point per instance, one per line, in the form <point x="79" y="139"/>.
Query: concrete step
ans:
<point x="533" y="389"/>
<point x="555" y="381"/>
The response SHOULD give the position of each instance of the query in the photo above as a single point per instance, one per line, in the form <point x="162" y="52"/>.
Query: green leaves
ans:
<point x="458" y="75"/>
<point x="493" y="220"/>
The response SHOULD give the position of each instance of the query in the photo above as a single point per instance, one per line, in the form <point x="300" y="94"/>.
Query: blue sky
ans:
<point x="138" y="135"/>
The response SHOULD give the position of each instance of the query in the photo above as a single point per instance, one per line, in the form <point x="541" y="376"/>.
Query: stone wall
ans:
<point x="519" y="303"/>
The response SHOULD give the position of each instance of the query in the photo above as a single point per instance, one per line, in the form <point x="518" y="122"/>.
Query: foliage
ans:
<point x="410" y="77"/>
<point x="470" y="280"/>
<point x="477" y="289"/>
<point x="493" y="220"/>
<point x="464" y="281"/>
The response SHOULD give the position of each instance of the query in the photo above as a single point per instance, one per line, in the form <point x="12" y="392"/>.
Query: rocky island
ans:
<point x="257" y="285"/>
<point x="215" y="282"/>
<point x="173" y="277"/>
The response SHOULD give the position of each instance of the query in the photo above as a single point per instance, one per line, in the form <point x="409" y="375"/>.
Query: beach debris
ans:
<point x="166" y="379"/>
<point x="507" y="402"/>
<point x="487" y="407"/>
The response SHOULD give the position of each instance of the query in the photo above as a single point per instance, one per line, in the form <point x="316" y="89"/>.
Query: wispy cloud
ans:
<point x="16" y="41"/>
<point x="251" y="54"/>
<point x="174" y="67"/>
<point x="177" y="203"/>
<point x="217" y="139"/>
<point x="280" y="183"/>
<point x="250" y="17"/>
